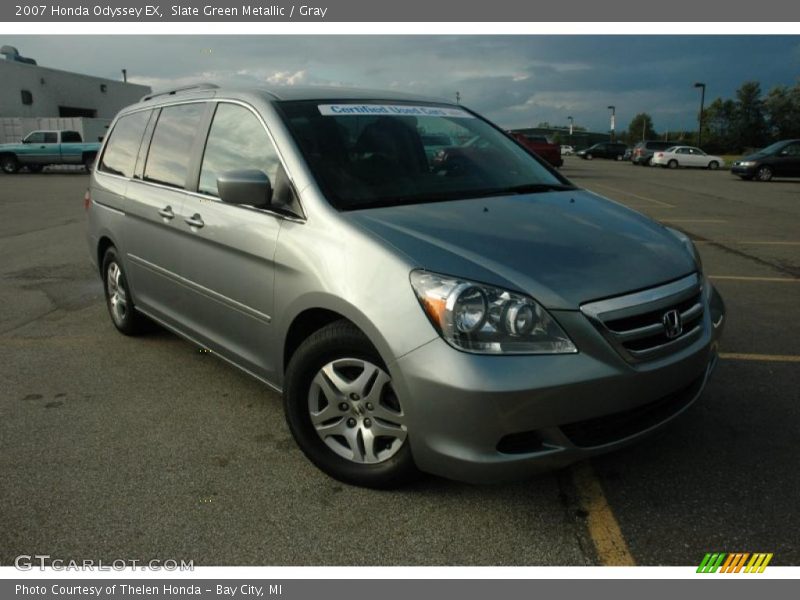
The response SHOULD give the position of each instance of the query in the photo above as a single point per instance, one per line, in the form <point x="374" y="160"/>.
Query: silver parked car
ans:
<point x="473" y="315"/>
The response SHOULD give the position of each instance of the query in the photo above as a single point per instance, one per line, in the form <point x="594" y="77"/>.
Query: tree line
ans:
<point x="735" y="125"/>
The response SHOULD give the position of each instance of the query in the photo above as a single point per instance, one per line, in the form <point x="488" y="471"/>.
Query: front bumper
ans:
<point x="743" y="171"/>
<point x="487" y="419"/>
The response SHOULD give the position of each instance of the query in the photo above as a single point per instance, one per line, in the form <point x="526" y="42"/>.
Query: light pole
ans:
<point x="571" y="123"/>
<point x="702" y="87"/>
<point x="613" y="110"/>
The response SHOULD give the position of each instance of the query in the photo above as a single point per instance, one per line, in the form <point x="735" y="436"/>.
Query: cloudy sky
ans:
<point x="516" y="81"/>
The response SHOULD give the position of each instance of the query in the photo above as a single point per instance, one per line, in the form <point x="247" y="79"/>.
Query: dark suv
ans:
<point x="643" y="151"/>
<point x="615" y="150"/>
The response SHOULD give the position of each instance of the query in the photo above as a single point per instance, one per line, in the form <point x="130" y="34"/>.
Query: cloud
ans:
<point x="287" y="78"/>
<point x="513" y="80"/>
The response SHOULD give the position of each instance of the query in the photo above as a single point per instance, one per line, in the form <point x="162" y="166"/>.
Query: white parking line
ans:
<point x="632" y="195"/>
<point x="770" y="279"/>
<point x="695" y="220"/>
<point x="747" y="242"/>
<point x="760" y="357"/>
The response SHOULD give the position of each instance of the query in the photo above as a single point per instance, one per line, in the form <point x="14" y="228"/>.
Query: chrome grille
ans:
<point x="639" y="326"/>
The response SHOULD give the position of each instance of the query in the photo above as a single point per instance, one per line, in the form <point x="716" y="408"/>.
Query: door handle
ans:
<point x="195" y="220"/>
<point x="167" y="213"/>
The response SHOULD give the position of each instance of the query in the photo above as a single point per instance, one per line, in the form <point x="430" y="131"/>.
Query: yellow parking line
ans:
<point x="610" y="545"/>
<point x="770" y="279"/>
<point x="659" y="202"/>
<point x="760" y="357"/>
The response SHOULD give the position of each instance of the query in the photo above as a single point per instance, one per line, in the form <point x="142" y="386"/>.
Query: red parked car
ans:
<point x="539" y="145"/>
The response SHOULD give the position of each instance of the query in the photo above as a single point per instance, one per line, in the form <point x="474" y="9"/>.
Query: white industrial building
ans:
<point x="36" y="97"/>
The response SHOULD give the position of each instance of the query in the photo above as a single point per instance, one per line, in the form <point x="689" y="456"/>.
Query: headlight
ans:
<point x="690" y="247"/>
<point x="486" y="319"/>
<point x="746" y="163"/>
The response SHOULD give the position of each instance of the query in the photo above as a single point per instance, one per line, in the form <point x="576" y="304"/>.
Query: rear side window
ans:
<point x="119" y="157"/>
<point x="792" y="150"/>
<point x="70" y="137"/>
<point x="172" y="144"/>
<point x="237" y="140"/>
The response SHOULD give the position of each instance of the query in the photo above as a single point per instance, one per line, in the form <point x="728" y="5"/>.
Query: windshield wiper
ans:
<point x="533" y="188"/>
<point x="528" y="188"/>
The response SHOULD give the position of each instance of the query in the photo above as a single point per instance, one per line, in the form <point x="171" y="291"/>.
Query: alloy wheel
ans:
<point x="117" y="295"/>
<point x="355" y="411"/>
<point x="764" y="174"/>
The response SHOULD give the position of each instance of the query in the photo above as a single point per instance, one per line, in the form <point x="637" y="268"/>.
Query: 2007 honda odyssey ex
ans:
<point x="466" y="311"/>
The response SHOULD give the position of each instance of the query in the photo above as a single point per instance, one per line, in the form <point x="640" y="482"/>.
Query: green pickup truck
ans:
<point x="41" y="148"/>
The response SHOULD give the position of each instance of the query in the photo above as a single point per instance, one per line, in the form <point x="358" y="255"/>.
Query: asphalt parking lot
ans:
<point x="114" y="447"/>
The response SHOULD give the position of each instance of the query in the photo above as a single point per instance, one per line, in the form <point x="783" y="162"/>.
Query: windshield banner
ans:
<point x="400" y="110"/>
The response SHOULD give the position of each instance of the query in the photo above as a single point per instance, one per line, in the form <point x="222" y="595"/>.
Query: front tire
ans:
<point x="9" y="165"/>
<point x="118" y="296"/>
<point x="764" y="173"/>
<point x="713" y="165"/>
<point x="343" y="411"/>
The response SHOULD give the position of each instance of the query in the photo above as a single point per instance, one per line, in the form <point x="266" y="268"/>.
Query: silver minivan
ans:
<point x="461" y="310"/>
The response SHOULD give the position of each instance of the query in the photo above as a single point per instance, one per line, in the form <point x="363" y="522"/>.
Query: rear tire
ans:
<point x="673" y="164"/>
<point x="119" y="301"/>
<point x="88" y="162"/>
<point x="9" y="164"/>
<point x="342" y="410"/>
<point x="650" y="162"/>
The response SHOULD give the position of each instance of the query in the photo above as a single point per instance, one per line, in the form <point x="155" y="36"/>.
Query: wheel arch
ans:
<point x="304" y="325"/>
<point x="313" y="311"/>
<point x="103" y="244"/>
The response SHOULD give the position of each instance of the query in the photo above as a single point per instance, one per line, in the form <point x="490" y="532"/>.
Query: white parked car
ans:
<point x="567" y="150"/>
<point x="686" y="156"/>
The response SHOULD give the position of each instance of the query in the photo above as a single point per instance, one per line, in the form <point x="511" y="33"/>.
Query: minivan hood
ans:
<point x="754" y="156"/>
<point x="562" y="248"/>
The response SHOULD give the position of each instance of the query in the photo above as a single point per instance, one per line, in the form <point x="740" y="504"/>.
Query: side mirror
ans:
<point x="249" y="186"/>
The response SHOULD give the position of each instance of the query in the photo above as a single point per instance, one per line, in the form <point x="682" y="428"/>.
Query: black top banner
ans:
<point x="462" y="11"/>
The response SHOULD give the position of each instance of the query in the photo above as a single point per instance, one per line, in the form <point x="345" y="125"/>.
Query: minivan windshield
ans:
<point x="372" y="154"/>
<point x="773" y="149"/>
